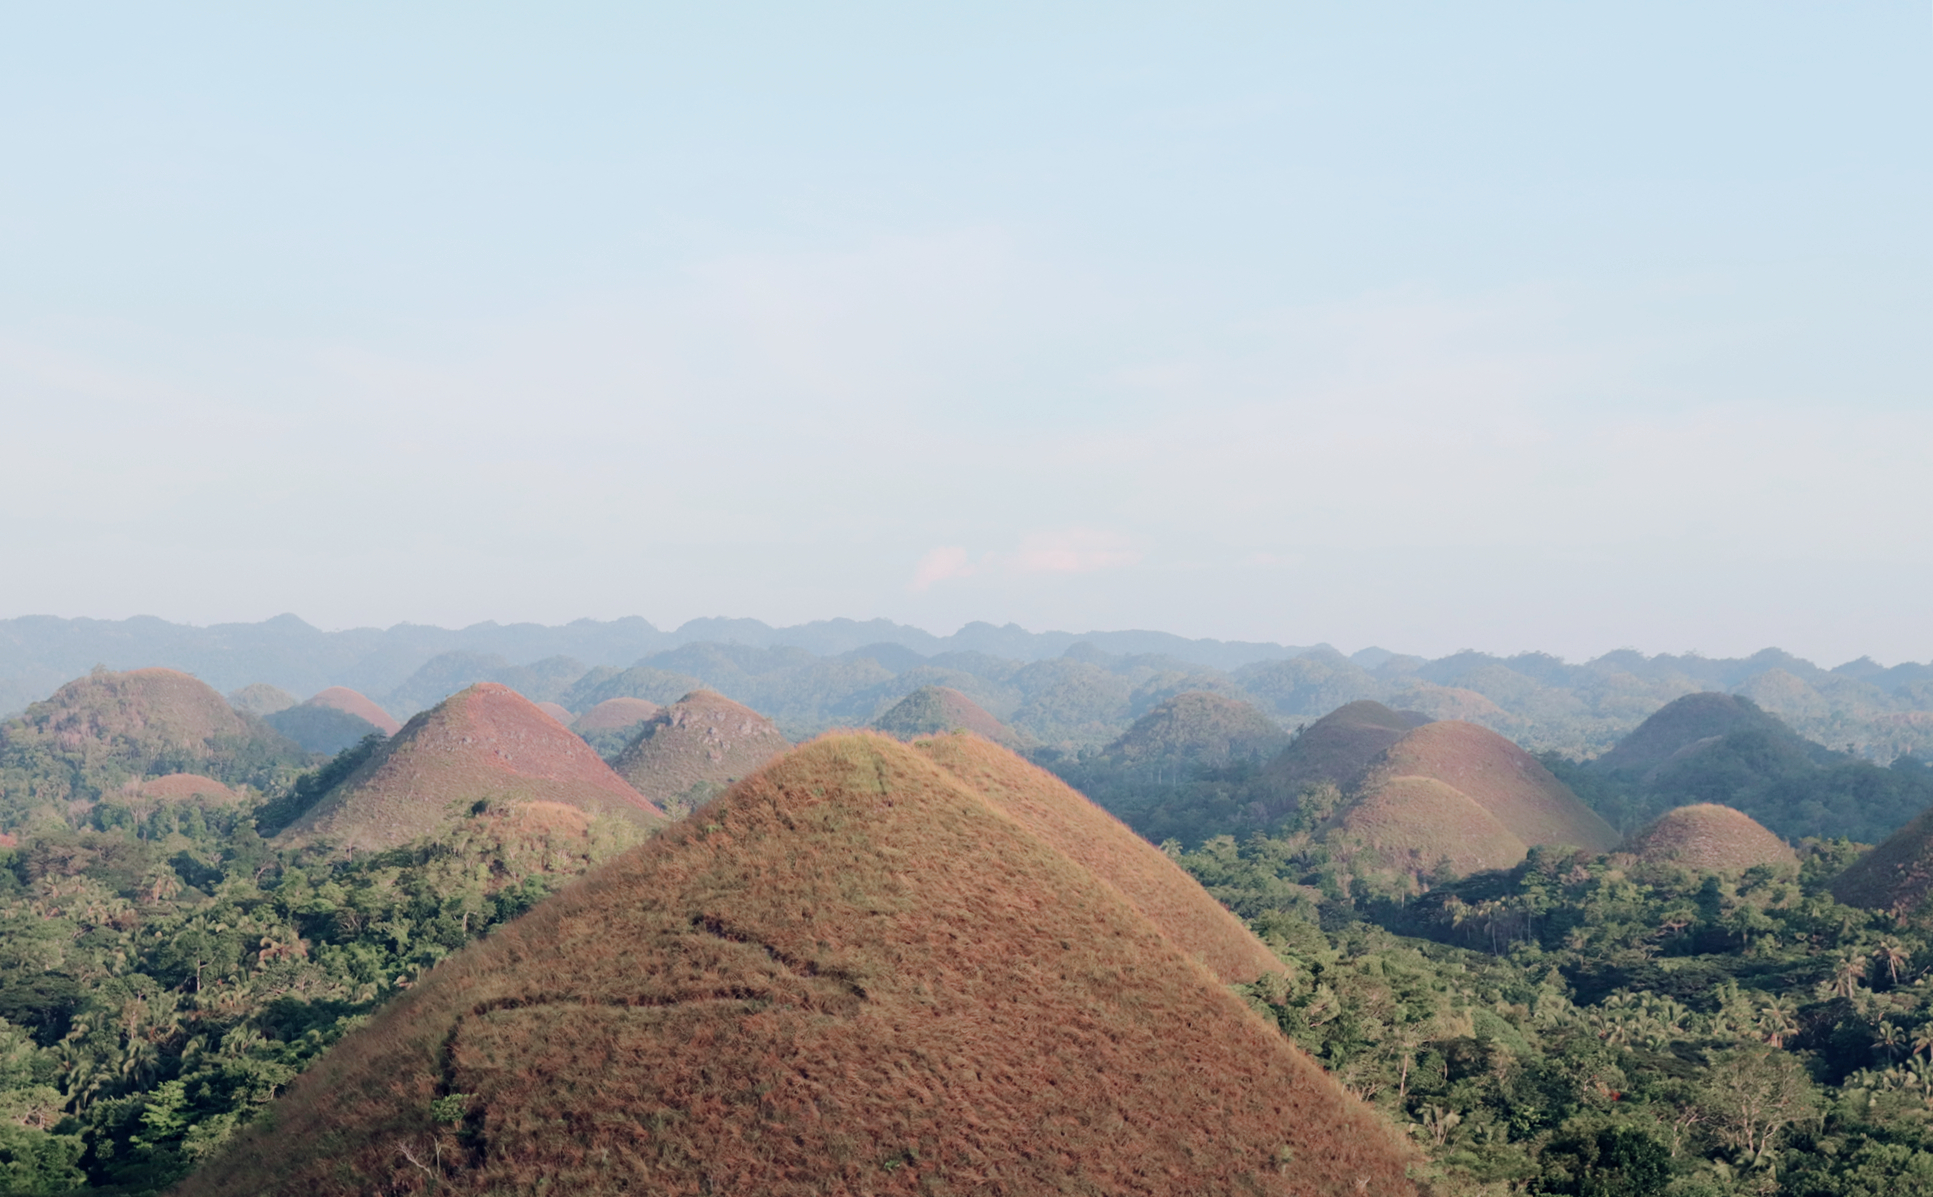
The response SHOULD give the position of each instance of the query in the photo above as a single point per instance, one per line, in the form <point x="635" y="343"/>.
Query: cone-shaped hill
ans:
<point x="1455" y="793"/>
<point x="557" y="711"/>
<point x="1683" y="724"/>
<point x="1712" y="838"/>
<point x="333" y="720"/>
<point x="1152" y="884"/>
<point x="1339" y="748"/>
<point x="933" y="710"/>
<point x="1894" y="876"/>
<point x="348" y="701"/>
<point x="107" y="728"/>
<point x="852" y="973"/>
<point x="1197" y="728"/>
<point x="615" y="714"/>
<point x="486" y="744"/>
<point x="697" y="746"/>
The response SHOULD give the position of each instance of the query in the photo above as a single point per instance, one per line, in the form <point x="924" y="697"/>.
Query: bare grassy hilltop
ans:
<point x="853" y="973"/>
<point x="1713" y="838"/>
<point x="696" y="747"/>
<point x="486" y="746"/>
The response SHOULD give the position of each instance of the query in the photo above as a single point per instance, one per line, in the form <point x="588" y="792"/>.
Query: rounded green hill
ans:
<point x="1200" y="728"/>
<point x="934" y="710"/>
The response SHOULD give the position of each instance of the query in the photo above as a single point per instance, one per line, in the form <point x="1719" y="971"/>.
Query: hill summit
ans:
<point x="1338" y="749"/>
<point x="1713" y="838"/>
<point x="487" y="745"/>
<point x="695" y="747"/>
<point x="931" y="710"/>
<point x="1458" y="795"/>
<point x="1199" y="728"/>
<point x="1683" y="725"/>
<point x="98" y="732"/>
<point x="853" y="973"/>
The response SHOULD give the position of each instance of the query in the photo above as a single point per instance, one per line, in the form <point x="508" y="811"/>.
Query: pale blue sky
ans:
<point x="1435" y="326"/>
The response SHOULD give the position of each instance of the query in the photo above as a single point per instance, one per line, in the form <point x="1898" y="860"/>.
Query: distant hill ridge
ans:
<point x="486" y="746"/>
<point x="1072" y="692"/>
<point x="855" y="972"/>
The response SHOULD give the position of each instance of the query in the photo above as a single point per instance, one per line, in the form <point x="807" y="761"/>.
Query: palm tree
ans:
<point x="1889" y="1039"/>
<point x="1892" y="955"/>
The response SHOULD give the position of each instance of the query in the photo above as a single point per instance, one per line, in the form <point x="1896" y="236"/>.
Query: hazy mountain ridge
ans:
<point x="1070" y="692"/>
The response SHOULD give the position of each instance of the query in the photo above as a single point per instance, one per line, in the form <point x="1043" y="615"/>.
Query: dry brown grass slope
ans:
<point x="1153" y="884"/>
<point x="1340" y="747"/>
<point x="1712" y="838"/>
<point x="935" y="710"/>
<point x="1502" y="778"/>
<point x="1896" y="875"/>
<point x="350" y="702"/>
<point x="852" y="974"/>
<point x="703" y="739"/>
<point x="1418" y="824"/>
<point x="486" y="744"/>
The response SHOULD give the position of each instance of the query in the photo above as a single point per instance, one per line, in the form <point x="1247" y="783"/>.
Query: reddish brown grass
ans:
<point x="1152" y="884"/>
<point x="615" y="713"/>
<point x="342" y="698"/>
<point x="1711" y="837"/>
<point x="703" y="738"/>
<point x="557" y="711"/>
<point x="852" y="974"/>
<point x="488" y="744"/>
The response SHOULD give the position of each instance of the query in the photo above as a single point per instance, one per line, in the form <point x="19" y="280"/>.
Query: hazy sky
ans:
<point x="1434" y="326"/>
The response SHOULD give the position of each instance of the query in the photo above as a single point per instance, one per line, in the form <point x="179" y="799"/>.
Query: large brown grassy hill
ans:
<point x="487" y="744"/>
<point x="933" y="710"/>
<point x="1339" y="748"/>
<point x="348" y="701"/>
<point x="697" y="746"/>
<point x="1152" y="883"/>
<point x="1710" y="837"/>
<point x="851" y="974"/>
<point x="1407" y="813"/>
<point x="1894" y="876"/>
<point x="1199" y="728"/>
